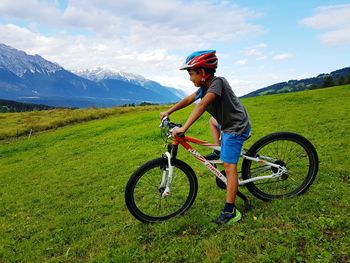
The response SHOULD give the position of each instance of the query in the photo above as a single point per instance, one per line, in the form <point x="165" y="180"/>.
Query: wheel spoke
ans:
<point x="268" y="181"/>
<point x="259" y="170"/>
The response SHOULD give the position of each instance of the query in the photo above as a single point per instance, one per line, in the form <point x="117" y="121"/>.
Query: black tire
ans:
<point x="291" y="150"/>
<point x="143" y="196"/>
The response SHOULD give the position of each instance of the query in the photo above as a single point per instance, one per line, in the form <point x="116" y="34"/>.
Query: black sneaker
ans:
<point x="228" y="218"/>
<point x="212" y="156"/>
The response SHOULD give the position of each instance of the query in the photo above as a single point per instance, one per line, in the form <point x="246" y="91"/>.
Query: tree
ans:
<point x="347" y="79"/>
<point x="328" y="82"/>
<point x="341" y="80"/>
<point x="314" y="86"/>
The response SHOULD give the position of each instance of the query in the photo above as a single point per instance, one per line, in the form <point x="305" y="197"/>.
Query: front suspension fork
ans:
<point x="168" y="170"/>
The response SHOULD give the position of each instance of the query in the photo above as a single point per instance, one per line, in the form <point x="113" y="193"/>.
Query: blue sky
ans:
<point x="258" y="43"/>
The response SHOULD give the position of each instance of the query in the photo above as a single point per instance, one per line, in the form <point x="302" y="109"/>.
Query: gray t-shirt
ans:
<point x="226" y="108"/>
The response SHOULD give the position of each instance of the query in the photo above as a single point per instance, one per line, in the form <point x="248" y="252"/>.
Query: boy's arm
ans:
<point x="181" y="104"/>
<point x="197" y="112"/>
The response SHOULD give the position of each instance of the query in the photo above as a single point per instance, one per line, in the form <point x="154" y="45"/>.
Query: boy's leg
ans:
<point x="230" y="214"/>
<point x="232" y="182"/>
<point x="231" y="145"/>
<point x="215" y="131"/>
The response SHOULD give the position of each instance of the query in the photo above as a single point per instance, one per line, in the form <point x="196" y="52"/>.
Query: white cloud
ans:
<point x="34" y="11"/>
<point x="241" y="62"/>
<point x="241" y="86"/>
<point x="256" y="51"/>
<point x="261" y="45"/>
<point x="177" y="18"/>
<point x="337" y="37"/>
<point x="135" y="19"/>
<point x="283" y="56"/>
<point x="335" y="20"/>
<point x="24" y="39"/>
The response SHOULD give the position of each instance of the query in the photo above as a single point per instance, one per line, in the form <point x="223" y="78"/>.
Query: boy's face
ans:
<point x="195" y="77"/>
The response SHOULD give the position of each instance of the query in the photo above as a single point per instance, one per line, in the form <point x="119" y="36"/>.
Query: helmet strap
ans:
<point x="204" y="78"/>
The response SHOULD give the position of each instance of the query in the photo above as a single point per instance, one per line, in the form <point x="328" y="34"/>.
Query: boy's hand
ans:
<point x="163" y="115"/>
<point x="176" y="131"/>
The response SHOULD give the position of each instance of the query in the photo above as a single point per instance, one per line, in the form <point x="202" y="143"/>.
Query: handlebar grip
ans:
<point x="181" y="135"/>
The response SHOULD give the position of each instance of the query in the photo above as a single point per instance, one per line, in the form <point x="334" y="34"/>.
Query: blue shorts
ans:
<point x="231" y="146"/>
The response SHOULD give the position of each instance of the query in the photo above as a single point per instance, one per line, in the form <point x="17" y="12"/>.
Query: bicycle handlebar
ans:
<point x="167" y="127"/>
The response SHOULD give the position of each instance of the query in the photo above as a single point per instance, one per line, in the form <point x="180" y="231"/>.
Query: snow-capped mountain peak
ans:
<point x="101" y="73"/>
<point x="20" y="63"/>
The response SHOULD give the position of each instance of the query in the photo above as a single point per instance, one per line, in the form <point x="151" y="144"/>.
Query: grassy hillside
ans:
<point x="24" y="123"/>
<point x="62" y="192"/>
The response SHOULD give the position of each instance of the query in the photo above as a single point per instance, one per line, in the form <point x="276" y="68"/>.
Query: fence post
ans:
<point x="30" y="133"/>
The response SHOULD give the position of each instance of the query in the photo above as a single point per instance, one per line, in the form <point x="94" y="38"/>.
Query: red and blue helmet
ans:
<point x="201" y="59"/>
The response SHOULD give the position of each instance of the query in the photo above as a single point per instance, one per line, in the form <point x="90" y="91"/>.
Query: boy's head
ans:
<point x="200" y="66"/>
<point x="199" y="76"/>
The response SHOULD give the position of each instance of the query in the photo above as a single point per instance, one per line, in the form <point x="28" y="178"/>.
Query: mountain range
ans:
<point x="33" y="79"/>
<point x="338" y="77"/>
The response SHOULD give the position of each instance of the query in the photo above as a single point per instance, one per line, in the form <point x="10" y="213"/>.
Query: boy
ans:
<point x="229" y="119"/>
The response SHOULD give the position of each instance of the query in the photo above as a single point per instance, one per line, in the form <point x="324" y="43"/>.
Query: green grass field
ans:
<point x="62" y="191"/>
<point x="19" y="124"/>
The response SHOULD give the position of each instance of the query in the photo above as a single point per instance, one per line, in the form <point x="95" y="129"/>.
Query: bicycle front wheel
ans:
<point x="143" y="194"/>
<point x="290" y="150"/>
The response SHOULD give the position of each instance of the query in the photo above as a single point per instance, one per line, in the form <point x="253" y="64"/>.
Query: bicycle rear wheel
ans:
<point x="143" y="195"/>
<point x="287" y="149"/>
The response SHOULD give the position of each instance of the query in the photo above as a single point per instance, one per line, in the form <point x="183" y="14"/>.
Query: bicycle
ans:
<point x="279" y="165"/>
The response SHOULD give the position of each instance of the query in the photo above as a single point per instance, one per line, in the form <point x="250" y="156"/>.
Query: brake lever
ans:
<point x="165" y="122"/>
